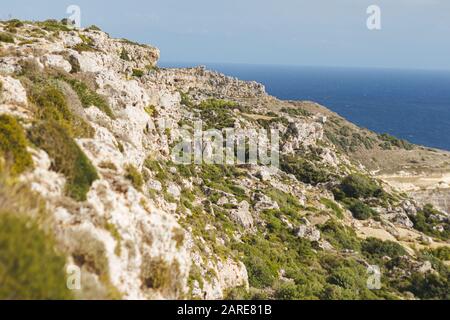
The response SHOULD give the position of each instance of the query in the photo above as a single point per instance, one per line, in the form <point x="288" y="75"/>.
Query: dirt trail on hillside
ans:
<point x="407" y="182"/>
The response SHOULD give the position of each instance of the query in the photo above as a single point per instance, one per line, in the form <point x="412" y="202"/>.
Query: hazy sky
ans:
<point x="414" y="34"/>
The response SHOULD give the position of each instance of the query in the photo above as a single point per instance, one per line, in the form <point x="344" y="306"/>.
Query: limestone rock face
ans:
<point x="13" y="97"/>
<point x="263" y="202"/>
<point x="242" y="215"/>
<point x="12" y="92"/>
<point x="167" y="230"/>
<point x="208" y="81"/>
<point x="113" y="54"/>
<point x="9" y="65"/>
<point x="122" y="93"/>
<point x="232" y="274"/>
<point x="308" y="232"/>
<point x="302" y="134"/>
<point x="56" y="61"/>
<point x="400" y="218"/>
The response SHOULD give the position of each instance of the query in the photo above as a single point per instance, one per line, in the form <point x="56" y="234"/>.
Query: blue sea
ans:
<point x="410" y="104"/>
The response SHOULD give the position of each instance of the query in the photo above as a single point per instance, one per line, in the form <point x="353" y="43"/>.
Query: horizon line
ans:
<point x="198" y="63"/>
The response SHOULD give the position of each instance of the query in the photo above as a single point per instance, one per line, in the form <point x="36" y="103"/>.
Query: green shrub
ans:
<point x="29" y="266"/>
<point x="309" y="282"/>
<point x="390" y="141"/>
<point x="120" y="147"/>
<point x="15" y="23"/>
<point x="52" y="105"/>
<point x="347" y="278"/>
<point x="87" y="44"/>
<point x="347" y="281"/>
<point x="273" y="222"/>
<point x="151" y="110"/>
<point x="333" y="206"/>
<point x="345" y="138"/>
<point x="303" y="170"/>
<point x="6" y="37"/>
<point x="335" y="292"/>
<point x="178" y="236"/>
<point x="260" y="273"/>
<point x="376" y="248"/>
<point x="53" y="25"/>
<point x="186" y="171"/>
<point x="425" y="221"/>
<point x="185" y="100"/>
<point x="340" y="236"/>
<point x="287" y="291"/>
<point x="195" y="274"/>
<point x="442" y="253"/>
<point x="155" y="166"/>
<point x="67" y="157"/>
<point x="133" y="174"/>
<point x="112" y="229"/>
<point x="296" y="112"/>
<point x="158" y="274"/>
<point x="13" y="145"/>
<point x="430" y="286"/>
<point x="83" y="47"/>
<point x="217" y="104"/>
<point x="237" y="293"/>
<point x="217" y="113"/>
<point x="138" y="73"/>
<point x="93" y="28"/>
<point x="107" y="165"/>
<point x="360" y="186"/>
<point x="89" y="41"/>
<point x="359" y="209"/>
<point x="267" y="123"/>
<point x="286" y="201"/>
<point x="89" y="97"/>
<point x="338" y="194"/>
<point x="124" y="55"/>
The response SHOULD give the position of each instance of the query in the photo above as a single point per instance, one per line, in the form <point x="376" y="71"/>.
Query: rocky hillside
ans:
<point x="88" y="179"/>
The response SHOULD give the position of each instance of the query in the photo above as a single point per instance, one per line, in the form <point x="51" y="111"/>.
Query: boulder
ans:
<point x="242" y="215"/>
<point x="308" y="232"/>
<point x="174" y="190"/>
<point x="12" y="92"/>
<point x="263" y="202"/>
<point x="56" y="61"/>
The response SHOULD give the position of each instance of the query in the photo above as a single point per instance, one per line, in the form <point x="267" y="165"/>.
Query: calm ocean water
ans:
<point x="410" y="104"/>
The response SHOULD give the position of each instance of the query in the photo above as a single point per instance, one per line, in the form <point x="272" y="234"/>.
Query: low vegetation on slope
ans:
<point x="13" y="145"/>
<point x="293" y="229"/>
<point x="427" y="221"/>
<point x="30" y="266"/>
<point x="67" y="157"/>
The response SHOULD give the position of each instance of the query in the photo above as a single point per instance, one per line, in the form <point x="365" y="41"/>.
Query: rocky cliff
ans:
<point x="87" y="128"/>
